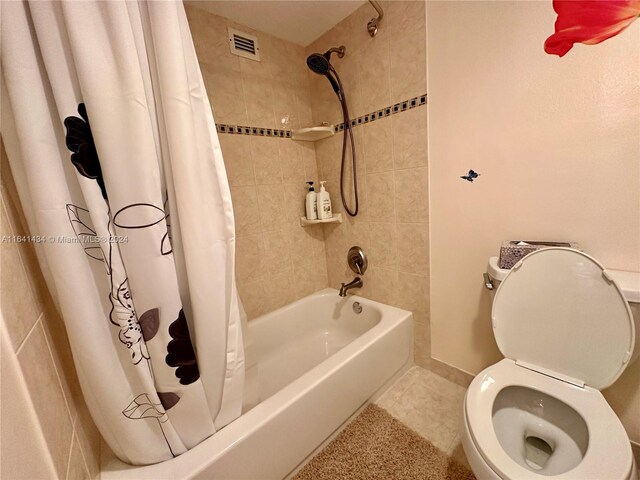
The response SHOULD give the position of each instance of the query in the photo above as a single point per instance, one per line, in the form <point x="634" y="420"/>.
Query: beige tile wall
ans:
<point x="40" y="343"/>
<point x="277" y="261"/>
<point x="392" y="225"/>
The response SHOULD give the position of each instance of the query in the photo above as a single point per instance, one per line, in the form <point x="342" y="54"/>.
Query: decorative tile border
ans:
<point x="386" y="111"/>
<point x="367" y="118"/>
<point x="259" y="131"/>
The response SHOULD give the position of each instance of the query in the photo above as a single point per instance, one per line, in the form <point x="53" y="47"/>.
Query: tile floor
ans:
<point x="430" y="405"/>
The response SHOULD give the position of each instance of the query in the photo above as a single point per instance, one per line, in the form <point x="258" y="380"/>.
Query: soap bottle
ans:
<point x="324" y="203"/>
<point x="311" y="203"/>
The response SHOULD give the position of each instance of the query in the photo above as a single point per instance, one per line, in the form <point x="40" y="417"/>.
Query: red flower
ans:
<point x="589" y="22"/>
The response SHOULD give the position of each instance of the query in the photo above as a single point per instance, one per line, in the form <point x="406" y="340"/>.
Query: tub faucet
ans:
<point x="355" y="283"/>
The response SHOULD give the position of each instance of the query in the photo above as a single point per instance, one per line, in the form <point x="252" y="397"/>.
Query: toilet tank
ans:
<point x="629" y="283"/>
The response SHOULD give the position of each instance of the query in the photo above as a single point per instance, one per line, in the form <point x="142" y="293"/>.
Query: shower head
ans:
<point x="319" y="63"/>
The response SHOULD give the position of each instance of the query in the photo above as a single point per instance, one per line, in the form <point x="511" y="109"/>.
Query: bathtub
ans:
<point x="315" y="363"/>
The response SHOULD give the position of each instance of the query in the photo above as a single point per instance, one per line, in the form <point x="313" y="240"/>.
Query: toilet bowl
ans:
<point x="567" y="332"/>
<point x="508" y="406"/>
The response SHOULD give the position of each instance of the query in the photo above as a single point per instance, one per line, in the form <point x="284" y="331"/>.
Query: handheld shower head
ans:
<point x="319" y="63"/>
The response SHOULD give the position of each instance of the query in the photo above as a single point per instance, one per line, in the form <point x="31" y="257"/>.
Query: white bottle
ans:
<point x="324" y="203"/>
<point x="311" y="204"/>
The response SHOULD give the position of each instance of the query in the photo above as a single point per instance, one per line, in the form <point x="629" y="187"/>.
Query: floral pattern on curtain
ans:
<point x="112" y="143"/>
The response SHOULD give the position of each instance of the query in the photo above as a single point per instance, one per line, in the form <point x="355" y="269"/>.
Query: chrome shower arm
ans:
<point x="372" y="26"/>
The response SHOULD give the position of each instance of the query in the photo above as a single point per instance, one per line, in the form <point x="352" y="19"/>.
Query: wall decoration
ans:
<point x="589" y="22"/>
<point x="471" y="176"/>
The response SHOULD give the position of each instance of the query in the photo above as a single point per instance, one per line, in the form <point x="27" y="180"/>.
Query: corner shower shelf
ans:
<point x="312" y="134"/>
<point x="336" y="218"/>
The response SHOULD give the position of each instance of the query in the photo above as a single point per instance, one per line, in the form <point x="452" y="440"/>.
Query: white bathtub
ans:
<point x="317" y="362"/>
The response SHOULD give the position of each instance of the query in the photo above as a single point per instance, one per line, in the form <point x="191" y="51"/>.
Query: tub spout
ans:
<point x="355" y="283"/>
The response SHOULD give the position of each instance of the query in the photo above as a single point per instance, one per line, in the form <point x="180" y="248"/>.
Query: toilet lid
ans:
<point x="557" y="310"/>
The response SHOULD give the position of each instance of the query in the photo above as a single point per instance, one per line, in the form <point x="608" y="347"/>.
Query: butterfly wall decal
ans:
<point x="471" y="176"/>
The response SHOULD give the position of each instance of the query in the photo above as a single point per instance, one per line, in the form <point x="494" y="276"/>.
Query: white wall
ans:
<point x="557" y="144"/>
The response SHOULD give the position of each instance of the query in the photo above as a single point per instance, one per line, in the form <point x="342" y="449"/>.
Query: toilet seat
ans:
<point x="557" y="307"/>
<point x="566" y="331"/>
<point x="608" y="453"/>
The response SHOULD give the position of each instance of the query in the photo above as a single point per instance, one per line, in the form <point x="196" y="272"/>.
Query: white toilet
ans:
<point x="567" y="332"/>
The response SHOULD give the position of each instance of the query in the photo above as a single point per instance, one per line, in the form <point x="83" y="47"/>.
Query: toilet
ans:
<point x="566" y="330"/>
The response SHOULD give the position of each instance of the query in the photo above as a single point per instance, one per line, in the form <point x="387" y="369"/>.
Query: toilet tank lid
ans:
<point x="629" y="282"/>
<point x="559" y="310"/>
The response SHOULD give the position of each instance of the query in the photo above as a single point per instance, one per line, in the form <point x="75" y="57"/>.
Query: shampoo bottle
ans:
<point x="311" y="203"/>
<point x="324" y="203"/>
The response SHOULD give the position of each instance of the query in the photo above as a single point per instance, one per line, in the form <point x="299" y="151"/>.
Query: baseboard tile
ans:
<point x="450" y="372"/>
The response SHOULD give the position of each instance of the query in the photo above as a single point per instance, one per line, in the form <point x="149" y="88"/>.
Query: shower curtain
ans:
<point x="113" y="147"/>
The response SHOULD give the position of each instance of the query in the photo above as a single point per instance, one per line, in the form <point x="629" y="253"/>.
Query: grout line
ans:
<point x="4" y="198"/>
<point x="36" y="324"/>
<point x="452" y="445"/>
<point x="84" y="457"/>
<point x="67" y="401"/>
<point x="22" y="391"/>
<point x="390" y="63"/>
<point x="28" y="335"/>
<point x="73" y="436"/>
<point x="23" y="262"/>
<point x="414" y="167"/>
<point x="404" y="390"/>
<point x="244" y="94"/>
<point x="324" y="233"/>
<point x="395" y="198"/>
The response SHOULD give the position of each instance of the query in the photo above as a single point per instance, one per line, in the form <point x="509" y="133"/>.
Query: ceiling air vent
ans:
<point x="244" y="45"/>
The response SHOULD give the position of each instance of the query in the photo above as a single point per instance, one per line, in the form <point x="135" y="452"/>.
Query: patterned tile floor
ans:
<point x="429" y="405"/>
